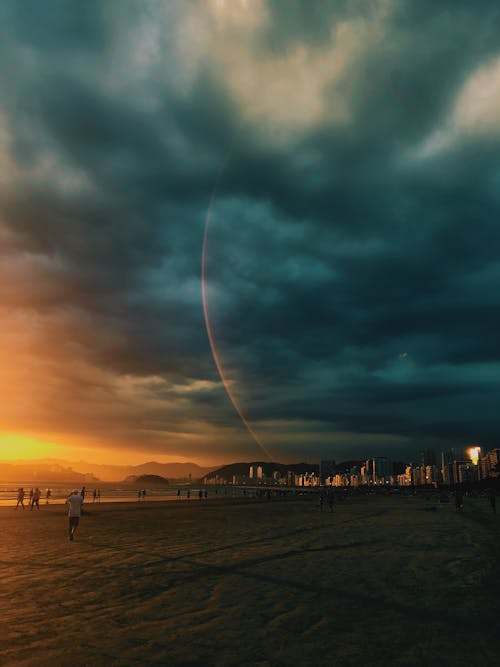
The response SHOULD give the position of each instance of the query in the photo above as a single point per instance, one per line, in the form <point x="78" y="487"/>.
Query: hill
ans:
<point x="58" y="469"/>
<point x="48" y="472"/>
<point x="147" y="479"/>
<point x="242" y="469"/>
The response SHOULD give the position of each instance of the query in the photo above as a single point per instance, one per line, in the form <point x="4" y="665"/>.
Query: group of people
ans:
<point x="201" y="494"/>
<point x="34" y="497"/>
<point x="74" y="501"/>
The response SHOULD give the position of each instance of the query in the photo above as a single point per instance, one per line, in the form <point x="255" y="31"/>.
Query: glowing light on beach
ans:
<point x="474" y="453"/>
<point x="208" y="325"/>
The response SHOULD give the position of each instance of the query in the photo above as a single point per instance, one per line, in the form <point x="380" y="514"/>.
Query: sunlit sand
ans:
<point x="377" y="582"/>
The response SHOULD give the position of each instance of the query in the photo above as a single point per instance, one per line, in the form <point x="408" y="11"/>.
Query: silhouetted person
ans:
<point x="178" y="493"/>
<point x="200" y="494"/>
<point x="188" y="494"/>
<point x="47" y="496"/>
<point x="139" y="496"/>
<point x="330" y="500"/>
<point x="82" y="494"/>
<point x="94" y="495"/>
<point x="144" y="494"/>
<point x="459" y="500"/>
<point x="74" y="502"/>
<point x="493" y="500"/>
<point x="36" y="498"/>
<point x="20" y="498"/>
<point x="206" y="493"/>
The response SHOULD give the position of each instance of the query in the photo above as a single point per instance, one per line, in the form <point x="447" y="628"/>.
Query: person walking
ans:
<point x="74" y="502"/>
<point x="321" y="500"/>
<point x="94" y="495"/>
<point x="459" y="500"/>
<point x="82" y="494"/>
<point x="20" y="498"/>
<point x="330" y="499"/>
<point x="36" y="499"/>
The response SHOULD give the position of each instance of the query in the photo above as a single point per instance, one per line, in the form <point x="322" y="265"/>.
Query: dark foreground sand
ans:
<point x="379" y="582"/>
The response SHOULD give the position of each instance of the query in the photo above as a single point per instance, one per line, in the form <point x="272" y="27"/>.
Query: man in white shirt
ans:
<point x="74" y="502"/>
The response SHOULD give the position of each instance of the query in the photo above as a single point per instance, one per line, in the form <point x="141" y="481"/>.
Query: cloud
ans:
<point x="353" y="247"/>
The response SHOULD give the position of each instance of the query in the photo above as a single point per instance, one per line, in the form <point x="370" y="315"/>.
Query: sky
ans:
<point x="340" y="159"/>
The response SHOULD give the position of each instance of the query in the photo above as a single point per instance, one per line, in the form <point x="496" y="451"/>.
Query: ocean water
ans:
<point x="110" y="492"/>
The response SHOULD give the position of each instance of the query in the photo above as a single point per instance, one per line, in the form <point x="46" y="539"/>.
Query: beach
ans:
<point x="251" y="582"/>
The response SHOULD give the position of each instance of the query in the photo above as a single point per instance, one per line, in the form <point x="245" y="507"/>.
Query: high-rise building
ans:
<point x="381" y="468"/>
<point x="427" y="457"/>
<point x="494" y="462"/>
<point x="326" y="469"/>
<point x="256" y="472"/>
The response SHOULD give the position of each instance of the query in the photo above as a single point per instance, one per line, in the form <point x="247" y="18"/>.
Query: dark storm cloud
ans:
<point x="351" y="274"/>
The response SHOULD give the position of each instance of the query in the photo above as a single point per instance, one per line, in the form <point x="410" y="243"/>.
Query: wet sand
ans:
<point x="380" y="581"/>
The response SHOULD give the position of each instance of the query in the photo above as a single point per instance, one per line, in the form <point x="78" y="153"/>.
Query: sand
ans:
<point x="378" y="582"/>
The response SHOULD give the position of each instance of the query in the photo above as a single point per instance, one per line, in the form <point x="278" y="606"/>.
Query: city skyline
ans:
<point x="240" y="229"/>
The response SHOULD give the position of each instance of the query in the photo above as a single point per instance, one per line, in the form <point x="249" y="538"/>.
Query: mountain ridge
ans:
<point x="61" y="470"/>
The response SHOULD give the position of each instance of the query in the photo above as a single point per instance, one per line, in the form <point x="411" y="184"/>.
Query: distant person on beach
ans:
<point x="144" y="494"/>
<point x="178" y="493"/>
<point x="139" y="495"/>
<point x="82" y="494"/>
<point x="206" y="493"/>
<point x="188" y="494"/>
<point x="493" y="499"/>
<point x="20" y="498"/>
<point x="321" y="500"/>
<point x="200" y="494"/>
<point x="95" y="495"/>
<point x="459" y="500"/>
<point x="330" y="500"/>
<point x="47" y="496"/>
<point x="36" y="498"/>
<point x="74" y="502"/>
